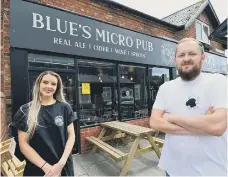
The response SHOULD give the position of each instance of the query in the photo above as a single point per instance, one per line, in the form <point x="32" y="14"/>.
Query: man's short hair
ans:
<point x="190" y="39"/>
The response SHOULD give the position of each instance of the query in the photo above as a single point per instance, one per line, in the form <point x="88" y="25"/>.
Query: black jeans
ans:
<point x="166" y="173"/>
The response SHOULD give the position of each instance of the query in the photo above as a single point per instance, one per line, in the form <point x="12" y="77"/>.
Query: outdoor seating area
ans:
<point x="121" y="130"/>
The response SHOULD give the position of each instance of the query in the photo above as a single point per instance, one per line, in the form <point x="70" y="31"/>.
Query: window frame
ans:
<point x="203" y="25"/>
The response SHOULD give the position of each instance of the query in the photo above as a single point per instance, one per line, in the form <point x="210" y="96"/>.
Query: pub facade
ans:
<point x="111" y="69"/>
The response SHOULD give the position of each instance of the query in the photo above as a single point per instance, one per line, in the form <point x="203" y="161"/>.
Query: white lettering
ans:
<point x="101" y="48"/>
<point x="36" y="20"/>
<point x="86" y="32"/>
<point x="59" y="26"/>
<point x="108" y="39"/>
<point x="150" y="44"/>
<point x="138" y="43"/>
<point x="121" y="40"/>
<point x="144" y="45"/>
<point x="122" y="52"/>
<point x="61" y="41"/>
<point x="128" y="39"/>
<point x="112" y="38"/>
<point x="49" y="24"/>
<point x="73" y="27"/>
<point x="100" y="35"/>
<point x="80" y="45"/>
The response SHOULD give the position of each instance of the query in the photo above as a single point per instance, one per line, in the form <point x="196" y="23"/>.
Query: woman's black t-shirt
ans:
<point x="50" y="136"/>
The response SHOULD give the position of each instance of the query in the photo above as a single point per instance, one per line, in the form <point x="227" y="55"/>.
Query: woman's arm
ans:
<point x="57" y="168"/>
<point x="69" y="144"/>
<point x="30" y="153"/>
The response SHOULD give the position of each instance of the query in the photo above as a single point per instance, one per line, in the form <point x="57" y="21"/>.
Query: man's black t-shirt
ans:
<point x="50" y="136"/>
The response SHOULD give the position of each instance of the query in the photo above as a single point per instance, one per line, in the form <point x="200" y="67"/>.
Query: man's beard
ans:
<point x="192" y="74"/>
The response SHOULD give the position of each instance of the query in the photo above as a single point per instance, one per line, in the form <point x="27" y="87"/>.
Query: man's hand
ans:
<point x="210" y="110"/>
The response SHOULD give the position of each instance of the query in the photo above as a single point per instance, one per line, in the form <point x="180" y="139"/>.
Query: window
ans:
<point x="54" y="62"/>
<point x="99" y="102"/>
<point x="202" y="32"/>
<point x="157" y="77"/>
<point x="133" y="92"/>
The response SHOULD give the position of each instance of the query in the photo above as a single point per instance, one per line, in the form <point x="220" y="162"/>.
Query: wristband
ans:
<point x="43" y="165"/>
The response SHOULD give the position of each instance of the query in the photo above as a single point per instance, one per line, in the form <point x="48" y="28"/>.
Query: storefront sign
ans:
<point x="85" y="89"/>
<point x="38" y="27"/>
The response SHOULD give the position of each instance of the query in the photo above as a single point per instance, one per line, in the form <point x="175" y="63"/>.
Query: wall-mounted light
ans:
<point x="131" y="78"/>
<point x="122" y="77"/>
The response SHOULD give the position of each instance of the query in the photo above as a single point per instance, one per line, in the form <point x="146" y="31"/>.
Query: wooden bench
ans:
<point x="159" y="142"/>
<point x="10" y="164"/>
<point x="116" y="154"/>
<point x="122" y="130"/>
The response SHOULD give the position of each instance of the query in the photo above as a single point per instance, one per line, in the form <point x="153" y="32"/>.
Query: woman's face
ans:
<point x="48" y="85"/>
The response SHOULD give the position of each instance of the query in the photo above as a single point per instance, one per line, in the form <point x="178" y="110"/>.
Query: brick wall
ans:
<point x="115" y="16"/>
<point x="190" y="33"/>
<point x="4" y="134"/>
<point x="95" y="131"/>
<point x="5" y="70"/>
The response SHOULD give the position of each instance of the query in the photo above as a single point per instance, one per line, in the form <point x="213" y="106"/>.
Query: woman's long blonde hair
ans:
<point x="35" y="104"/>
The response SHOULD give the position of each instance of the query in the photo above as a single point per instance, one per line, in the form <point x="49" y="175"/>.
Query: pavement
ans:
<point x="101" y="164"/>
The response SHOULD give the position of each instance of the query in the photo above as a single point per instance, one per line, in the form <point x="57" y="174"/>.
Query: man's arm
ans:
<point x="213" y="124"/>
<point x="161" y="124"/>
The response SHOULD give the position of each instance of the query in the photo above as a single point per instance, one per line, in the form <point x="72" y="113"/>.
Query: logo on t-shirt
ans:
<point x="192" y="102"/>
<point x="59" y="121"/>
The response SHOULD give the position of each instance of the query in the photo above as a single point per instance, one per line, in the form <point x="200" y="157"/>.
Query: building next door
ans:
<point x="69" y="91"/>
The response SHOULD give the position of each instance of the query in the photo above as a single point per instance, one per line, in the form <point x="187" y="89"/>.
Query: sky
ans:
<point x="163" y="8"/>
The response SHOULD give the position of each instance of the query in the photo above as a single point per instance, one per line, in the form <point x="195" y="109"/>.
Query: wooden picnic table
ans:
<point x="121" y="130"/>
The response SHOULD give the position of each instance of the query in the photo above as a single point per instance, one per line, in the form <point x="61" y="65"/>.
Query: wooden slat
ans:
<point x="18" y="164"/>
<point x="128" y="128"/>
<point x="158" y="140"/>
<point x="115" y="153"/>
<point x="144" y="150"/>
<point x="5" y="170"/>
<point x="110" y="137"/>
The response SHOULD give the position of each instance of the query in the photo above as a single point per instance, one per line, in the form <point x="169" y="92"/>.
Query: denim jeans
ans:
<point x="166" y="173"/>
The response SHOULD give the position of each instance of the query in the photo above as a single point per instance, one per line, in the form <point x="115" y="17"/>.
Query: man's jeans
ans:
<point x="166" y="173"/>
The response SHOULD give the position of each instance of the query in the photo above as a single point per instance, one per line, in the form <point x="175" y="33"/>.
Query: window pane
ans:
<point x="157" y="77"/>
<point x="205" y="34"/>
<point x="198" y="31"/>
<point x="133" y="92"/>
<point x="100" y="103"/>
<point x="46" y="61"/>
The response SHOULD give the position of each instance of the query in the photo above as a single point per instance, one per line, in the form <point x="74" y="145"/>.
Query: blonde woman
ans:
<point x="45" y="129"/>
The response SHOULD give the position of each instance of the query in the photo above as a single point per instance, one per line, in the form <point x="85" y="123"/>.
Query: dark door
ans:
<point x="69" y="91"/>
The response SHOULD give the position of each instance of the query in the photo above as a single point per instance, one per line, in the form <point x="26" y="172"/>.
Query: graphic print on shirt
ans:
<point x="59" y="121"/>
<point x="192" y="102"/>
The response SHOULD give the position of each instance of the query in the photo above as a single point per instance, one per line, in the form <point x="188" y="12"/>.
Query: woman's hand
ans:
<point x="47" y="169"/>
<point x="56" y="169"/>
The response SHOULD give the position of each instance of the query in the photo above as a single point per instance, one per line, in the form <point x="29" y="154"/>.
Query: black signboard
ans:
<point x="39" y="27"/>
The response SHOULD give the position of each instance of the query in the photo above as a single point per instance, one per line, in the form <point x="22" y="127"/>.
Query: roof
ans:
<point x="189" y="14"/>
<point x="184" y="15"/>
<point x="220" y="33"/>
